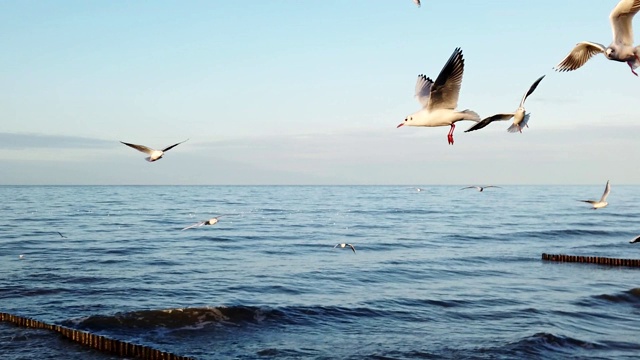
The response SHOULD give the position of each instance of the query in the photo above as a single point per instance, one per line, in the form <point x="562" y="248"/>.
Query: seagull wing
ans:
<point x="582" y="52"/>
<point x="620" y="18"/>
<point x="589" y="201"/>
<point x="446" y="89"/>
<point x="486" y="121"/>
<point x="417" y="2"/>
<point x="607" y="190"/>
<point x="352" y="248"/>
<point x="142" y="148"/>
<point x="172" y="146"/>
<point x="423" y="89"/>
<point x="637" y="239"/>
<point x="194" y="225"/>
<point x="532" y="88"/>
<point x="469" y="187"/>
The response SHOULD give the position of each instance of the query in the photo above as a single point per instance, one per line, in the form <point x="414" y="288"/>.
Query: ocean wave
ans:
<point x="169" y="318"/>
<point x="546" y="345"/>
<point x="197" y="318"/>
<point x="631" y="296"/>
<point x="560" y="233"/>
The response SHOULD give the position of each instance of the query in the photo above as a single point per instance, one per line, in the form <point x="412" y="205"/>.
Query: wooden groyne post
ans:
<point x="98" y="342"/>
<point x="591" y="260"/>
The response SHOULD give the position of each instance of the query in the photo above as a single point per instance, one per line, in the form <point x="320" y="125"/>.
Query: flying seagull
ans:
<point x="342" y="246"/>
<point x="480" y="188"/>
<point x="211" y="221"/>
<point x="153" y="154"/>
<point x="621" y="49"/>
<point x="520" y="117"/>
<point x="440" y="98"/>
<point x="603" y="200"/>
<point x="417" y="2"/>
<point x="637" y="239"/>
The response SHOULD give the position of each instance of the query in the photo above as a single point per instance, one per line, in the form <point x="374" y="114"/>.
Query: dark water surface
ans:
<point x="441" y="273"/>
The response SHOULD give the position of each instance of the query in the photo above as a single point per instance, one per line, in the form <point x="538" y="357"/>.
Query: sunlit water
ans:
<point x="441" y="273"/>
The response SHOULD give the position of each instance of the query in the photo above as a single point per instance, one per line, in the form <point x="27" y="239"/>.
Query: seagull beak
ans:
<point x="400" y="125"/>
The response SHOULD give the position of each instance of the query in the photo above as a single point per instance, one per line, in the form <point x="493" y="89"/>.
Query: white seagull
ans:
<point x="520" y="117"/>
<point x="342" y="246"/>
<point x="603" y="200"/>
<point x="21" y="257"/>
<point x="153" y="154"/>
<point x="417" y="2"/>
<point x="440" y="98"/>
<point x="211" y="221"/>
<point x="637" y="239"/>
<point x="480" y="188"/>
<point x="621" y="49"/>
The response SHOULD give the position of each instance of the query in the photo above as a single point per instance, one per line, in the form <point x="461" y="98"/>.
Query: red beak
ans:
<point x="399" y="125"/>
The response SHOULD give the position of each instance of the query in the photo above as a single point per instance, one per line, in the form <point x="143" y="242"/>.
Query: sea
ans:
<point x="441" y="273"/>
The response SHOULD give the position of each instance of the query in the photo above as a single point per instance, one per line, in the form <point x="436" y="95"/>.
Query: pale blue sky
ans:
<point x="306" y="92"/>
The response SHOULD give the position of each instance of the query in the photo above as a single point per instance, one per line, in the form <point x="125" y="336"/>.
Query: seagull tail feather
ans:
<point x="470" y="115"/>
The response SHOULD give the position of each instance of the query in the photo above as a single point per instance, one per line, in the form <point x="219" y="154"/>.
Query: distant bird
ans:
<point x="417" y="2"/>
<point x="637" y="239"/>
<point x="62" y="236"/>
<point x="342" y="246"/>
<point x="520" y="118"/>
<point x="153" y="154"/>
<point x="440" y="98"/>
<point x="21" y="257"/>
<point x="480" y="188"/>
<point x="211" y="221"/>
<point x="418" y="189"/>
<point x="603" y="200"/>
<point x="621" y="49"/>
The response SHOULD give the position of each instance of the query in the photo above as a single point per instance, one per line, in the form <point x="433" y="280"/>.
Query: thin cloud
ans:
<point x="19" y="141"/>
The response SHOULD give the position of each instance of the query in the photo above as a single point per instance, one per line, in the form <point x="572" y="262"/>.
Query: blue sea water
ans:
<point x="442" y="273"/>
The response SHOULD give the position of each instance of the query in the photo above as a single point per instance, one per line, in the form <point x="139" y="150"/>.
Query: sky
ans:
<point x="288" y="92"/>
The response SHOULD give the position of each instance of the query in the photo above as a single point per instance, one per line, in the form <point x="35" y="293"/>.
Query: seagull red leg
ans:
<point x="450" y="135"/>
<point x="631" y="66"/>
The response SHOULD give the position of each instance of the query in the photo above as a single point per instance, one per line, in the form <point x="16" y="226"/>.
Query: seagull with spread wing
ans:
<point x="211" y="221"/>
<point x="417" y="2"/>
<point x="153" y="154"/>
<point x="520" y="117"/>
<point x="621" y="49"/>
<point x="440" y="98"/>
<point x="342" y="246"/>
<point x="603" y="200"/>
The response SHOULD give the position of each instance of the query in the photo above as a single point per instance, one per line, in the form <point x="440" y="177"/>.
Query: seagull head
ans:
<point x="407" y="121"/>
<point x="610" y="53"/>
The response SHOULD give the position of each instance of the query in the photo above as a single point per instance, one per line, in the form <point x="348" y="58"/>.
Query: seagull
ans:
<point x="342" y="246"/>
<point x="440" y="98"/>
<point x="62" y="236"/>
<point x="153" y="154"/>
<point x="480" y="188"/>
<point x="417" y="2"/>
<point x="602" y="203"/>
<point x="21" y="257"/>
<point x="621" y="49"/>
<point x="520" y="118"/>
<point x="211" y="221"/>
<point x="637" y="239"/>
